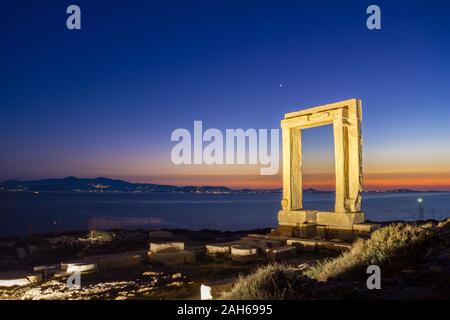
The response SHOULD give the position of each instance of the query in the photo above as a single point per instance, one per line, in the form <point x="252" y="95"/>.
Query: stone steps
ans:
<point x="274" y="247"/>
<point x="311" y="245"/>
<point x="311" y="230"/>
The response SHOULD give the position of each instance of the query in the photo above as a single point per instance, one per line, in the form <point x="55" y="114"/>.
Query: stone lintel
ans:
<point x="323" y="108"/>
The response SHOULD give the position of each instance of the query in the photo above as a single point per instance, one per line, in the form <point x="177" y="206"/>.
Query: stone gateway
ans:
<point x="345" y="116"/>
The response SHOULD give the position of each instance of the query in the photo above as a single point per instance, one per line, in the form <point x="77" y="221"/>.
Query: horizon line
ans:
<point x="324" y="187"/>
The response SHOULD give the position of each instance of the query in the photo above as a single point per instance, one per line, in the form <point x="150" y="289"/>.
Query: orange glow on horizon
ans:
<point x="371" y="183"/>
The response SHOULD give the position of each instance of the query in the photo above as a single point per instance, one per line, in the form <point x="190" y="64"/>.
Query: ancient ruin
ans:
<point x="345" y="116"/>
<point x="299" y="232"/>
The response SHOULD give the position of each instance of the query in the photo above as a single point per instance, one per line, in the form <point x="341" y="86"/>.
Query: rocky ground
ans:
<point x="147" y="281"/>
<point x="423" y="273"/>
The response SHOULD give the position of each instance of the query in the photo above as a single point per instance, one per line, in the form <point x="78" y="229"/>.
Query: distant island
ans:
<point x="101" y="184"/>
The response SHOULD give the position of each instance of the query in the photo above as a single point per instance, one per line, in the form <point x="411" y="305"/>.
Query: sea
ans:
<point x="27" y="213"/>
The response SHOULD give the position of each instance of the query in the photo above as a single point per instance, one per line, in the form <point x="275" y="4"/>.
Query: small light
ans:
<point x="205" y="292"/>
<point x="419" y="200"/>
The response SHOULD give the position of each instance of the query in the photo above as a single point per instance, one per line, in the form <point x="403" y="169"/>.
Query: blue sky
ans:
<point x="104" y="100"/>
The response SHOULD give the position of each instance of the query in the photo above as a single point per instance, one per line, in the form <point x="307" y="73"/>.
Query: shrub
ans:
<point x="274" y="281"/>
<point x="383" y="245"/>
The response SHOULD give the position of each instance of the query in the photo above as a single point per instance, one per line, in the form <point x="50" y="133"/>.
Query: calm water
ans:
<point x="28" y="213"/>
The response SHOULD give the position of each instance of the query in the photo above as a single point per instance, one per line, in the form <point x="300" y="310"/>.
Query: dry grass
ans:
<point x="382" y="247"/>
<point x="272" y="282"/>
<point x="385" y="246"/>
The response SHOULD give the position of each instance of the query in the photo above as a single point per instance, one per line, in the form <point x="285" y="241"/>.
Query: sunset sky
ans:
<point x="104" y="100"/>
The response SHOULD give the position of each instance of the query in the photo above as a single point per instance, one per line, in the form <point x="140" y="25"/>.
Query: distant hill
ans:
<point x="311" y="190"/>
<point x="101" y="184"/>
<point x="403" y="191"/>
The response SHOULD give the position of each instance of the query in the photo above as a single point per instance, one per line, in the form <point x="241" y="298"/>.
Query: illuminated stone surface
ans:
<point x="220" y="248"/>
<point x="303" y="245"/>
<point x="47" y="270"/>
<point x="173" y="258"/>
<point x="166" y="246"/>
<point x="116" y="261"/>
<point x="263" y="244"/>
<point x="244" y="253"/>
<point x="345" y="116"/>
<point x="70" y="267"/>
<point x="338" y="219"/>
<point x="281" y="252"/>
<point x="18" y="278"/>
<point x="225" y="247"/>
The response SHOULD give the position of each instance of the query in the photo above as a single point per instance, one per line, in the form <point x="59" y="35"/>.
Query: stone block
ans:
<point x="303" y="245"/>
<point x="339" y="219"/>
<point x="365" y="228"/>
<point x="18" y="278"/>
<point x="173" y="258"/>
<point x="267" y="236"/>
<point x="321" y="232"/>
<point x="281" y="252"/>
<point x="333" y="246"/>
<point x="244" y="253"/>
<point x="225" y="247"/>
<point x="306" y="230"/>
<point x="263" y="244"/>
<point x="343" y="233"/>
<point x="47" y="270"/>
<point x="343" y="246"/>
<point x="82" y="266"/>
<point x="116" y="261"/>
<point x="166" y="246"/>
<point x="296" y="217"/>
<point x="220" y="248"/>
<point x="285" y="231"/>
